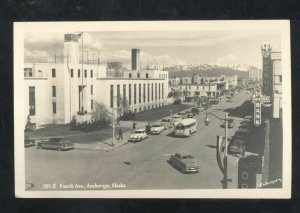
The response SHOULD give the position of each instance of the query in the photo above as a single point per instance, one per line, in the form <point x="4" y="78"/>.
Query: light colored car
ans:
<point x="176" y="118"/>
<point x="167" y="122"/>
<point x="184" y="162"/>
<point x="138" y="135"/>
<point x="157" y="128"/>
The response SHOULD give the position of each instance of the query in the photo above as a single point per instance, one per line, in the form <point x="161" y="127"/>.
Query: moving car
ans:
<point x="157" y="128"/>
<point x="195" y="110"/>
<point x="55" y="143"/>
<point x="230" y="123"/>
<point x="237" y="147"/>
<point x="176" y="118"/>
<point x="184" y="162"/>
<point x="200" y="108"/>
<point x="167" y="122"/>
<point x="29" y="142"/>
<point x="190" y="115"/>
<point x="138" y="135"/>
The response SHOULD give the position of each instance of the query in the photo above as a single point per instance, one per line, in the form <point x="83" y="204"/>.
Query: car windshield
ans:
<point x="139" y="132"/>
<point x="165" y="120"/>
<point x="55" y="140"/>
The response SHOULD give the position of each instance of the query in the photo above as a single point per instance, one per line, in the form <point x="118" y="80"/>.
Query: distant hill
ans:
<point x="217" y="71"/>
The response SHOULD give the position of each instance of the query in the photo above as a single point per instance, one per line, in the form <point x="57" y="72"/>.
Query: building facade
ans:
<point x="272" y="78"/>
<point x="254" y="73"/>
<point x="56" y="92"/>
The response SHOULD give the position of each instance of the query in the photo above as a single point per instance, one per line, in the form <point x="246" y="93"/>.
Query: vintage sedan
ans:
<point x="237" y="147"/>
<point x="184" y="162"/>
<point x="157" y="129"/>
<point x="55" y="143"/>
<point x="29" y="142"/>
<point x="230" y="123"/>
<point x="176" y="118"/>
<point x="167" y="122"/>
<point x="138" y="135"/>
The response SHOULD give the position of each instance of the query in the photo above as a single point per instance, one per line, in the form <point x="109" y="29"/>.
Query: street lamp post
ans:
<point x="224" y="168"/>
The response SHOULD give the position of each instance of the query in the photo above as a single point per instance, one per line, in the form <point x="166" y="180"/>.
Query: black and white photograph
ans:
<point x="152" y="109"/>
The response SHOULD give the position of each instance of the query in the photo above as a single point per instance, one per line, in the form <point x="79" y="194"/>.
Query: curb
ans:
<point x="101" y="149"/>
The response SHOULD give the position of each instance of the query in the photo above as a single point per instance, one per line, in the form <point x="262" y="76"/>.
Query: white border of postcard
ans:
<point x="21" y="28"/>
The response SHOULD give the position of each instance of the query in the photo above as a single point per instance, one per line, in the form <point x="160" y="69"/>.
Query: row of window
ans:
<point x="138" y="75"/>
<point x="72" y="73"/>
<point x="32" y="100"/>
<point x="157" y="92"/>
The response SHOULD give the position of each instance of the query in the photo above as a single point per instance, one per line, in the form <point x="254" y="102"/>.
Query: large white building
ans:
<point x="55" y="92"/>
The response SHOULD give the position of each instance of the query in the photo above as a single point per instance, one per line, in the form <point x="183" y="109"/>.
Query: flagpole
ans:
<point x="82" y="72"/>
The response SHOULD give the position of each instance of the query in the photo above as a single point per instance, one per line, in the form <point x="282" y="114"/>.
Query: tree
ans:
<point x="123" y="106"/>
<point x="100" y="113"/>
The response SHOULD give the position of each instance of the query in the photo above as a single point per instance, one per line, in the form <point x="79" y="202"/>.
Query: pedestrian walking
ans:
<point x="120" y="134"/>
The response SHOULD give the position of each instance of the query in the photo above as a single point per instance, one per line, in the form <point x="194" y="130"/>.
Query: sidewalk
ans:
<point x="106" y="145"/>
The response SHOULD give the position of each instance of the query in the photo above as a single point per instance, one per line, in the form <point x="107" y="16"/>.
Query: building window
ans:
<point x="92" y="89"/>
<point x="148" y="91"/>
<point x="92" y="104"/>
<point x="138" y="75"/>
<point x="53" y="91"/>
<point x="78" y="73"/>
<point x="124" y="94"/>
<point x="27" y="72"/>
<point x="134" y="94"/>
<point x="155" y="91"/>
<point x="129" y="94"/>
<point x="130" y="75"/>
<point x="85" y="73"/>
<point x="118" y="95"/>
<point x="31" y="100"/>
<point x="53" y="73"/>
<point x="111" y="96"/>
<point x="147" y="75"/>
<point x="92" y="74"/>
<point x="144" y="93"/>
<point x="54" y="107"/>
<point x="158" y="91"/>
<point x="162" y="91"/>
<point x="72" y="73"/>
<point x="152" y="92"/>
<point x="140" y="93"/>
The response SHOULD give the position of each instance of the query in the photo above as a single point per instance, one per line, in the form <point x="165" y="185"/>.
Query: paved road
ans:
<point x="136" y="165"/>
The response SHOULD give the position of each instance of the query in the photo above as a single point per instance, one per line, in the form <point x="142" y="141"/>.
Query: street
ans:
<point x="135" y="165"/>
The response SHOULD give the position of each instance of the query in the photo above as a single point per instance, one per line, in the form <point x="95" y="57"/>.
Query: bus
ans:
<point x="185" y="127"/>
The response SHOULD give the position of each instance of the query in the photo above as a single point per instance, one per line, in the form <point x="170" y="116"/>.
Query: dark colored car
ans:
<point x="55" y="143"/>
<point x="242" y="134"/>
<point x="237" y="147"/>
<point x="184" y="162"/>
<point x="195" y="111"/>
<point x="29" y="142"/>
<point x="230" y="123"/>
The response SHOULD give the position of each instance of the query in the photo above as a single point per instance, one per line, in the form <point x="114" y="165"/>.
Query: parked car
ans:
<point x="200" y="108"/>
<point x="184" y="162"/>
<point x="195" y="110"/>
<point x="242" y="134"/>
<point x="230" y="123"/>
<point x="157" y="129"/>
<point x="29" y="142"/>
<point x="248" y="118"/>
<point x="167" y="122"/>
<point x="138" y="135"/>
<point x="237" y="147"/>
<point x="245" y="126"/>
<point x="187" y="112"/>
<point x="55" y="143"/>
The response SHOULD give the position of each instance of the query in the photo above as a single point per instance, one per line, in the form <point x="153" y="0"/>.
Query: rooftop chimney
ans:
<point x="135" y="59"/>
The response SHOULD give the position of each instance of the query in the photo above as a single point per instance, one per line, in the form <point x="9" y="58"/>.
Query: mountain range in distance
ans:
<point x="213" y="71"/>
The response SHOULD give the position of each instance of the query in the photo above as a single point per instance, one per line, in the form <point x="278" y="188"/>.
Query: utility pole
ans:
<point x="82" y="73"/>
<point x="225" y="180"/>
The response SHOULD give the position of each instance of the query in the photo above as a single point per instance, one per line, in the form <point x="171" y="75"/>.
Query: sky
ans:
<point x="168" y="48"/>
